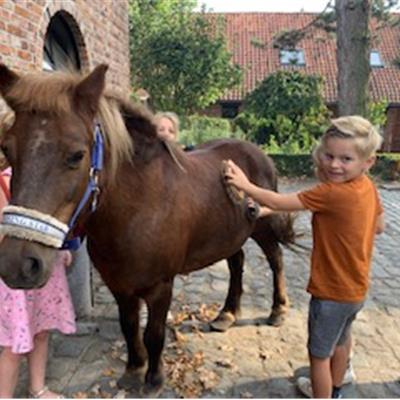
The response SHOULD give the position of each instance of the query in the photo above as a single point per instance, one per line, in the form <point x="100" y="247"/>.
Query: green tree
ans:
<point x="178" y="56"/>
<point x="286" y="107"/>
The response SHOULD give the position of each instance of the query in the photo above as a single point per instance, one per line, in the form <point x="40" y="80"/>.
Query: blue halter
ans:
<point x="92" y="188"/>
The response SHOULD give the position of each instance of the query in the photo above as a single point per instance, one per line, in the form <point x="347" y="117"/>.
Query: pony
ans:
<point x="149" y="210"/>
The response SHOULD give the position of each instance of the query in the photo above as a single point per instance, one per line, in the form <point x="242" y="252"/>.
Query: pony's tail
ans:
<point x="282" y="225"/>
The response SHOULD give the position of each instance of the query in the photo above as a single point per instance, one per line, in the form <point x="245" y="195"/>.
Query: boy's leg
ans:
<point x="37" y="360"/>
<point x="9" y="372"/>
<point x="320" y="374"/>
<point x="329" y="325"/>
<point x="339" y="361"/>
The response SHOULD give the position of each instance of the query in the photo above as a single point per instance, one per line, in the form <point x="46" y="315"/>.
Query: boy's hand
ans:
<point x="235" y="176"/>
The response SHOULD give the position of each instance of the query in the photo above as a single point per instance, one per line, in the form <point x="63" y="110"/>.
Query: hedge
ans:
<point x="387" y="166"/>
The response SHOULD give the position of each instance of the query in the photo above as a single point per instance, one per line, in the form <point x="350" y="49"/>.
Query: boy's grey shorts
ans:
<point x="329" y="325"/>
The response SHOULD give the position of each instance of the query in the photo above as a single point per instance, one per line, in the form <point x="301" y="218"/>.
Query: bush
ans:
<point x="387" y="166"/>
<point x="293" y="165"/>
<point x="198" y="129"/>
<point x="286" y="107"/>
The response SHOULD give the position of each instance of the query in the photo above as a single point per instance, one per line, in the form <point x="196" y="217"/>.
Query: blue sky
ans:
<point x="264" y="5"/>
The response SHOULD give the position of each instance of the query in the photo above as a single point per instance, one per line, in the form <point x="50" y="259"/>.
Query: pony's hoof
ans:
<point x="151" y="391"/>
<point x="223" y="322"/>
<point x="132" y="379"/>
<point x="276" y="319"/>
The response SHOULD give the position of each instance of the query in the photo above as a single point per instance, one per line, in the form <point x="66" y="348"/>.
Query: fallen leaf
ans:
<point x="121" y="394"/>
<point x="108" y="372"/>
<point x="208" y="378"/>
<point x="112" y="383"/>
<point x="225" y="363"/>
<point x="179" y="337"/>
<point x="226" y="348"/>
<point x="80" y="395"/>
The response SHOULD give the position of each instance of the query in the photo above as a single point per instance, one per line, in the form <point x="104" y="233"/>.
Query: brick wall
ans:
<point x="100" y="28"/>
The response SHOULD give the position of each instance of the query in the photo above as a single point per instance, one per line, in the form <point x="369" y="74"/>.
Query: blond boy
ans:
<point x="347" y="213"/>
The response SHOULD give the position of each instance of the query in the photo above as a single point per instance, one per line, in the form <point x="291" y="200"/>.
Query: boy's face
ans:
<point x="341" y="162"/>
<point x="166" y="129"/>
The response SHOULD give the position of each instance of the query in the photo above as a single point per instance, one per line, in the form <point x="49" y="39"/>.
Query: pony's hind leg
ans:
<point x="280" y="301"/>
<point x="158" y="300"/>
<point x="129" y="322"/>
<point x="231" y="310"/>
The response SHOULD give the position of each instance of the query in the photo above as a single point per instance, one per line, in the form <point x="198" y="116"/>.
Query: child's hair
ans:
<point x="366" y="138"/>
<point x="171" y="116"/>
<point x="6" y="121"/>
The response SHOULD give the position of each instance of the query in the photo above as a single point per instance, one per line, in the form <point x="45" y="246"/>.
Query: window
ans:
<point x="60" y="49"/>
<point x="229" y="110"/>
<point x="375" y="60"/>
<point x="292" y="57"/>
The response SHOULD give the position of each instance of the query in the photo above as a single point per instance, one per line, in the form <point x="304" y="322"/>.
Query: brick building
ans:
<point x="59" y="34"/>
<point x="250" y="39"/>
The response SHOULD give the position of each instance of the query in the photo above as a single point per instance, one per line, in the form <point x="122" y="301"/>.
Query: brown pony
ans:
<point x="160" y="212"/>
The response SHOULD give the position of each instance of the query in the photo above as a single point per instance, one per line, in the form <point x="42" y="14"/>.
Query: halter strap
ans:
<point x="97" y="158"/>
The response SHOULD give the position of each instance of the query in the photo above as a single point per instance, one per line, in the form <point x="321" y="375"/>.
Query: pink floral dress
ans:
<point x="25" y="313"/>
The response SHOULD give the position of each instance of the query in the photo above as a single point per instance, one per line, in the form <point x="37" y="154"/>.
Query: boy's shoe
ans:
<point x="349" y="375"/>
<point x="304" y="386"/>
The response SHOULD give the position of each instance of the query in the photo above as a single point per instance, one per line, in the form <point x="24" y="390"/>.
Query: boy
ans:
<point x="346" y="215"/>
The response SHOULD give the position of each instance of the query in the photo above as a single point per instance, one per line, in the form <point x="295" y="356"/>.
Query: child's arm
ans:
<point x="275" y="201"/>
<point x="380" y="224"/>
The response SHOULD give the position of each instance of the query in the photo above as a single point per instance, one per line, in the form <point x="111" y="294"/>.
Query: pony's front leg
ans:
<point x="129" y="321"/>
<point x="158" y="301"/>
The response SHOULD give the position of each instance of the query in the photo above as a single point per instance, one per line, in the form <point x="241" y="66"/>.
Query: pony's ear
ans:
<point x="89" y="90"/>
<point x="7" y="79"/>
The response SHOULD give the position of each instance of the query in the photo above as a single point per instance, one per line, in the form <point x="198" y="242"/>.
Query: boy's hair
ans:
<point x="366" y="138"/>
<point x="171" y="116"/>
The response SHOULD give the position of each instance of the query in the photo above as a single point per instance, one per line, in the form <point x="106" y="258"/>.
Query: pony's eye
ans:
<point x="74" y="159"/>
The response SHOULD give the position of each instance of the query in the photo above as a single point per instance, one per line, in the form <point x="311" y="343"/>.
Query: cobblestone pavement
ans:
<point x="251" y="359"/>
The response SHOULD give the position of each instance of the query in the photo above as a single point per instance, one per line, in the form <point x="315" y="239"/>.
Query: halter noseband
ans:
<point x="35" y="226"/>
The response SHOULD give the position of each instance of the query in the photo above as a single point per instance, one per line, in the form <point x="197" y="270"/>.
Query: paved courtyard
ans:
<point x="252" y="359"/>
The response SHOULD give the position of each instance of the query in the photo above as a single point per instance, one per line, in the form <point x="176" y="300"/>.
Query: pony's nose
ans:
<point x="32" y="268"/>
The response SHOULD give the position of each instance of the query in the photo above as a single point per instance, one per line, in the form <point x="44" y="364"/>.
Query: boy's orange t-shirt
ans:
<point x="344" y="224"/>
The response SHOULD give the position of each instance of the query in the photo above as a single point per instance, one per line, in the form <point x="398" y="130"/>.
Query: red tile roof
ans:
<point x="319" y="52"/>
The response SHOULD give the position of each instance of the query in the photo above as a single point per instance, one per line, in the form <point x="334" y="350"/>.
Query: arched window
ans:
<point x="60" y="48"/>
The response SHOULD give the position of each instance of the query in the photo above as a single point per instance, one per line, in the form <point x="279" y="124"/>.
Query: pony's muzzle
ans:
<point x="24" y="265"/>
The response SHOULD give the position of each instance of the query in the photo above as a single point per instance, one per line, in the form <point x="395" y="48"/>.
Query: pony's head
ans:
<point x="49" y="145"/>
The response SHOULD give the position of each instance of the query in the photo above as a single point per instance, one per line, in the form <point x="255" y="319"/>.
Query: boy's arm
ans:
<point x="275" y="201"/>
<point x="380" y="224"/>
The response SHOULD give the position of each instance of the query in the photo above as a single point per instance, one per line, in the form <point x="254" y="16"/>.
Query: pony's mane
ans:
<point x="52" y="92"/>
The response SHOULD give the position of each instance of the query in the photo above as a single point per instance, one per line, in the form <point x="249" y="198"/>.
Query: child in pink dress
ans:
<point x="26" y="317"/>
